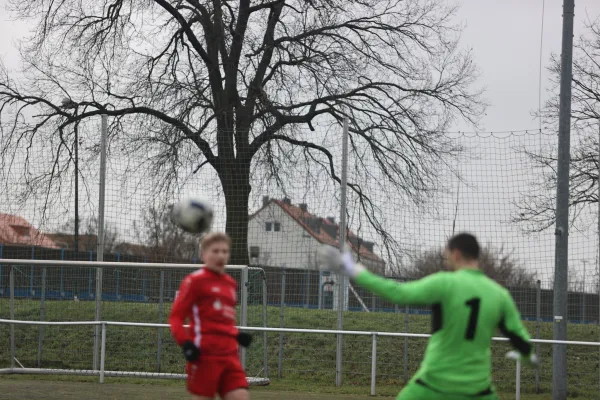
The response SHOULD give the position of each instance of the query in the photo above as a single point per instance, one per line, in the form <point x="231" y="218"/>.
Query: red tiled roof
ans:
<point x="322" y="234"/>
<point x="16" y="230"/>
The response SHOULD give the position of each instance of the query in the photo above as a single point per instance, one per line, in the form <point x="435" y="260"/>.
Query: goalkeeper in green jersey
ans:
<point x="467" y="308"/>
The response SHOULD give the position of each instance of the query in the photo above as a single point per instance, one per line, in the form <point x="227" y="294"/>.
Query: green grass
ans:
<point x="308" y="360"/>
<point x="71" y="388"/>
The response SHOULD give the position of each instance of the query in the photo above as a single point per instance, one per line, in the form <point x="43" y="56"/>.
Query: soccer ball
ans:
<point x="193" y="215"/>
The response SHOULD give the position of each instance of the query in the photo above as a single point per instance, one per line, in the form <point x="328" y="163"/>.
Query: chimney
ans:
<point x="315" y="224"/>
<point x="331" y="219"/>
<point x="265" y="200"/>
<point x="303" y="207"/>
<point x="287" y="201"/>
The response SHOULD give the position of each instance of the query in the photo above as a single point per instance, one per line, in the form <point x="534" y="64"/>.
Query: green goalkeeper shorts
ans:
<point x="417" y="390"/>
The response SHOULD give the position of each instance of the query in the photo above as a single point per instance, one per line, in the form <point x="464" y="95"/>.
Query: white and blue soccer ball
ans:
<point x="193" y="214"/>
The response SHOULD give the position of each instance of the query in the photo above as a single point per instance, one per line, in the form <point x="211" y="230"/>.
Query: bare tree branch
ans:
<point x="536" y="209"/>
<point x="251" y="87"/>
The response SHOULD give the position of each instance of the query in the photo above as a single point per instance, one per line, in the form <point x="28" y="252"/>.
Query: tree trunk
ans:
<point x="236" y="187"/>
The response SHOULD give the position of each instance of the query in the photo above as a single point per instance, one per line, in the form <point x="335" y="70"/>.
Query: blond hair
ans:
<point x="212" y="238"/>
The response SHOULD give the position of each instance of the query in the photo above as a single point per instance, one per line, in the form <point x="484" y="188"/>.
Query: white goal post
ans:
<point x="45" y="280"/>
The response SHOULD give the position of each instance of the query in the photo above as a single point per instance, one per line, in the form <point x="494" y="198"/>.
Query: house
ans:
<point x="86" y="242"/>
<point x="284" y="234"/>
<point x="281" y="234"/>
<point x="16" y="230"/>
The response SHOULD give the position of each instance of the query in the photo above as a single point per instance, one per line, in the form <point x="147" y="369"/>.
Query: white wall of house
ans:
<point x="291" y="246"/>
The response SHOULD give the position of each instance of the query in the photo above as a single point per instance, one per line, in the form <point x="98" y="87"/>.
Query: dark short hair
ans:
<point x="465" y="243"/>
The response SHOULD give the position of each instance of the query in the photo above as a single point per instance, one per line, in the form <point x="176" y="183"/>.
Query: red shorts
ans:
<point x="209" y="376"/>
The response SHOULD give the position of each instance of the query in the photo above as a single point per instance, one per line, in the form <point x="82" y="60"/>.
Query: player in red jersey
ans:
<point x="207" y="300"/>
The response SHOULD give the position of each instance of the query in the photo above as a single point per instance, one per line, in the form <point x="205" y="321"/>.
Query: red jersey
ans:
<point x="206" y="299"/>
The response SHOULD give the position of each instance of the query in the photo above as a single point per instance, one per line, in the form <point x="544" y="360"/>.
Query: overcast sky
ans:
<point x="504" y="36"/>
<point x="505" y="39"/>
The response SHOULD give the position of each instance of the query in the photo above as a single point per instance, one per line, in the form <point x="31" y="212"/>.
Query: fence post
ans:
<point x="406" y="345"/>
<point x="281" y="322"/>
<point x="538" y="321"/>
<point x="373" y="364"/>
<point x="265" y="324"/>
<point x="170" y="290"/>
<point x="31" y="289"/>
<point x="598" y="321"/>
<point x="144" y="284"/>
<point x="12" y="315"/>
<point x="161" y="293"/>
<point x="117" y="274"/>
<point x="518" y="378"/>
<point x="1" y="290"/>
<point x="90" y="279"/>
<point x="42" y="317"/>
<point x="97" y="333"/>
<point x="244" y="308"/>
<point x="102" y="353"/>
<point x="308" y="276"/>
<point x="320" y="290"/>
<point x="583" y="305"/>
<point x="62" y="271"/>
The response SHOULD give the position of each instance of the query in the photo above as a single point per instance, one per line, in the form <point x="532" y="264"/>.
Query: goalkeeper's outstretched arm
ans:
<point x="428" y="290"/>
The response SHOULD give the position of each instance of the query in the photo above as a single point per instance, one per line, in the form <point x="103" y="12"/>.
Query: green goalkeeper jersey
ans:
<point x="467" y="308"/>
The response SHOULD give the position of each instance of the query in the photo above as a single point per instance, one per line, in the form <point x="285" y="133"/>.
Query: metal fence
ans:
<point x="112" y="358"/>
<point x="53" y="292"/>
<point x="68" y="291"/>
<point x="300" y="288"/>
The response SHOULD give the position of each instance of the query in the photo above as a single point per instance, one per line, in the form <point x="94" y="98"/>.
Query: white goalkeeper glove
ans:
<point x="330" y="259"/>
<point x="531" y="359"/>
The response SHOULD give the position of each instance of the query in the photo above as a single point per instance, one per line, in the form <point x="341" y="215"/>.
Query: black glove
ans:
<point x="190" y="351"/>
<point x="244" y="339"/>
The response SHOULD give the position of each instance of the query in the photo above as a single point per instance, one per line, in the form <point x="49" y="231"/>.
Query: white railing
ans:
<point x="102" y="373"/>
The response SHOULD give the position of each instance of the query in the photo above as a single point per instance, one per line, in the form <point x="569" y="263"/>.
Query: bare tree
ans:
<point x="88" y="241"/>
<point x="537" y="208"/>
<point x="496" y="263"/>
<point x="239" y="86"/>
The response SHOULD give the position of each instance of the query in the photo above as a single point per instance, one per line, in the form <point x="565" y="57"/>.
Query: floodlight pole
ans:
<point x="342" y="284"/>
<point x="561" y="268"/>
<point x="100" y="249"/>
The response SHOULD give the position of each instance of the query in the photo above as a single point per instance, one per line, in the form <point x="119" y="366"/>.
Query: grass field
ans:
<point x="51" y="388"/>
<point x="308" y="360"/>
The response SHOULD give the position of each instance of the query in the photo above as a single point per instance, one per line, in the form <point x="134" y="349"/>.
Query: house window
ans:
<point x="273" y="226"/>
